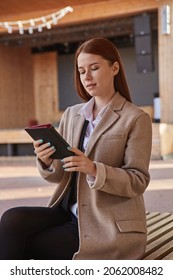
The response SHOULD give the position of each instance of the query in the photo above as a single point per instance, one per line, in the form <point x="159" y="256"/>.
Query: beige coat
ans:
<point x="112" y="223"/>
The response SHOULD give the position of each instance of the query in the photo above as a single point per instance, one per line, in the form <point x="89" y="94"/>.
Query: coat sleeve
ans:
<point x="56" y="172"/>
<point x="132" y="178"/>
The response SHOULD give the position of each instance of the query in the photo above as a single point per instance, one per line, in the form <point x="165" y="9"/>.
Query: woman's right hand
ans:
<point x="44" y="151"/>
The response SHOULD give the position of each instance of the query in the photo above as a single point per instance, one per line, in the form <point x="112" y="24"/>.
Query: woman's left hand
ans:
<point x="79" y="163"/>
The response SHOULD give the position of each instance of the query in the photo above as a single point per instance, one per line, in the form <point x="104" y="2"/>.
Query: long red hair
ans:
<point x="106" y="49"/>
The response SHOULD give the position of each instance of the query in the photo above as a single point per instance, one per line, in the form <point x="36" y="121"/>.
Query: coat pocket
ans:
<point x="131" y="226"/>
<point x="114" y="136"/>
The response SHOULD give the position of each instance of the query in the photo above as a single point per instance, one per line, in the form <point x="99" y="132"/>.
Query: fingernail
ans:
<point x="40" y="140"/>
<point x="48" y="144"/>
<point x="53" y="148"/>
<point x="62" y="160"/>
<point x="69" y="148"/>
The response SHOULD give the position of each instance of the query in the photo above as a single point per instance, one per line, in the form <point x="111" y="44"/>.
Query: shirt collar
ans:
<point x="87" y="110"/>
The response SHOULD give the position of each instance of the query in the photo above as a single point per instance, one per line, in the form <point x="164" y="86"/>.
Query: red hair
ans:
<point x="104" y="48"/>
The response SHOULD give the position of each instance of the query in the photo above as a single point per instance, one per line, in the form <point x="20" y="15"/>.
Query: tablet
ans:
<point x="48" y="133"/>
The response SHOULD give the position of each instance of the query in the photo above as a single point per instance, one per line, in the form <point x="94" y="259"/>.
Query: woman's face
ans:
<point x="97" y="75"/>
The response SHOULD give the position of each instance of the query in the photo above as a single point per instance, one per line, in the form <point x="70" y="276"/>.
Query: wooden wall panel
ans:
<point x="46" y="87"/>
<point x="166" y="68"/>
<point x="16" y="87"/>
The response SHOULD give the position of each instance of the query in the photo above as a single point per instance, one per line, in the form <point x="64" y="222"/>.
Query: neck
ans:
<point x="97" y="108"/>
<point x="100" y="103"/>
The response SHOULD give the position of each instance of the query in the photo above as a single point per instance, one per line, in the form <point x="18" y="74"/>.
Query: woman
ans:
<point x="107" y="218"/>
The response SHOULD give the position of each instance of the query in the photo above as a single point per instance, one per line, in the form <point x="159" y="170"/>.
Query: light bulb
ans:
<point x="54" y="19"/>
<point x="21" y="31"/>
<point x="6" y="24"/>
<point x="32" y="22"/>
<point x="48" y="25"/>
<point x="40" y="28"/>
<point x="30" y="30"/>
<point x="35" y="23"/>
<point x="20" y="24"/>
<point x="10" y="30"/>
<point x="43" y="19"/>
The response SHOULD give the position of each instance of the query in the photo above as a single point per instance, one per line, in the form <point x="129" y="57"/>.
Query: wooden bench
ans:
<point x="160" y="236"/>
<point x="11" y="137"/>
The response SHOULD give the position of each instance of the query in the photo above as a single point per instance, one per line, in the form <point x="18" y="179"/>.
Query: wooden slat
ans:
<point x="169" y="256"/>
<point x="158" y="233"/>
<point x="159" y="224"/>
<point x="159" y="242"/>
<point x="14" y="136"/>
<point x="151" y="215"/>
<point x="46" y="87"/>
<point x="160" y="236"/>
<point x="16" y="87"/>
<point x="161" y="252"/>
<point x="157" y="218"/>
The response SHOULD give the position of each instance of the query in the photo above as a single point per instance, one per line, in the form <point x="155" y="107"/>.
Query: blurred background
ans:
<point x="38" y="40"/>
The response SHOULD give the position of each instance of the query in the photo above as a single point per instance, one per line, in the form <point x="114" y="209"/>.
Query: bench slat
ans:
<point x="158" y="243"/>
<point x="169" y="256"/>
<point x="159" y="224"/>
<point x="161" y="252"/>
<point x="157" y="218"/>
<point x="159" y="237"/>
<point x="10" y="136"/>
<point x="151" y="215"/>
<point x="158" y="233"/>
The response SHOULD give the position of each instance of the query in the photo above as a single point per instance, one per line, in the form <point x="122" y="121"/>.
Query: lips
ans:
<point x="90" y="86"/>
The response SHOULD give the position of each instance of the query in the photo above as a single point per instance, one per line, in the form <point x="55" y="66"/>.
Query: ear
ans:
<point x="116" y="68"/>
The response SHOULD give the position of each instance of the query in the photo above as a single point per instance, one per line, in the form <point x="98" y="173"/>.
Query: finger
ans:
<point x="42" y="147"/>
<point x="45" y="146"/>
<point x="37" y="143"/>
<point x="71" y="159"/>
<point x="46" y="152"/>
<point x="75" y="150"/>
<point x="72" y="169"/>
<point x="71" y="164"/>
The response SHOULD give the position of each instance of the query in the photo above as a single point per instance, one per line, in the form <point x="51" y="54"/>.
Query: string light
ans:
<point x="35" y="24"/>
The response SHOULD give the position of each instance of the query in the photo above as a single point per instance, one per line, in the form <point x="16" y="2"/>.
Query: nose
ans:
<point x="88" y="75"/>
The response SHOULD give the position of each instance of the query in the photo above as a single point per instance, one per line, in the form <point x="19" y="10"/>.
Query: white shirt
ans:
<point x="87" y="112"/>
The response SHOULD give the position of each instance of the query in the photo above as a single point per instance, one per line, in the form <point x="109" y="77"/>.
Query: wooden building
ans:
<point x="36" y="70"/>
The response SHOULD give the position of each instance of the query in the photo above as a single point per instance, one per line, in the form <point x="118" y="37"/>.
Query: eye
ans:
<point x="94" y="68"/>
<point x="81" y="72"/>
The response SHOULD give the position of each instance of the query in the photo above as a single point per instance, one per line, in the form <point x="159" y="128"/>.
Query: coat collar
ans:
<point x="110" y="116"/>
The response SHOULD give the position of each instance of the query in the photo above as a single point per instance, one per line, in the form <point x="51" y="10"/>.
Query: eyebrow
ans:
<point x="89" y="65"/>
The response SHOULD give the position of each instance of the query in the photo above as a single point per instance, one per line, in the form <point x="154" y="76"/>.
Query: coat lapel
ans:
<point x="109" y="118"/>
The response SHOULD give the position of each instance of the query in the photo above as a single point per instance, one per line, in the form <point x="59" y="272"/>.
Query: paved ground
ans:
<point x="21" y="184"/>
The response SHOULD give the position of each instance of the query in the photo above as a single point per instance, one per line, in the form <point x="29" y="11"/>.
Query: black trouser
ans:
<point x="38" y="233"/>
